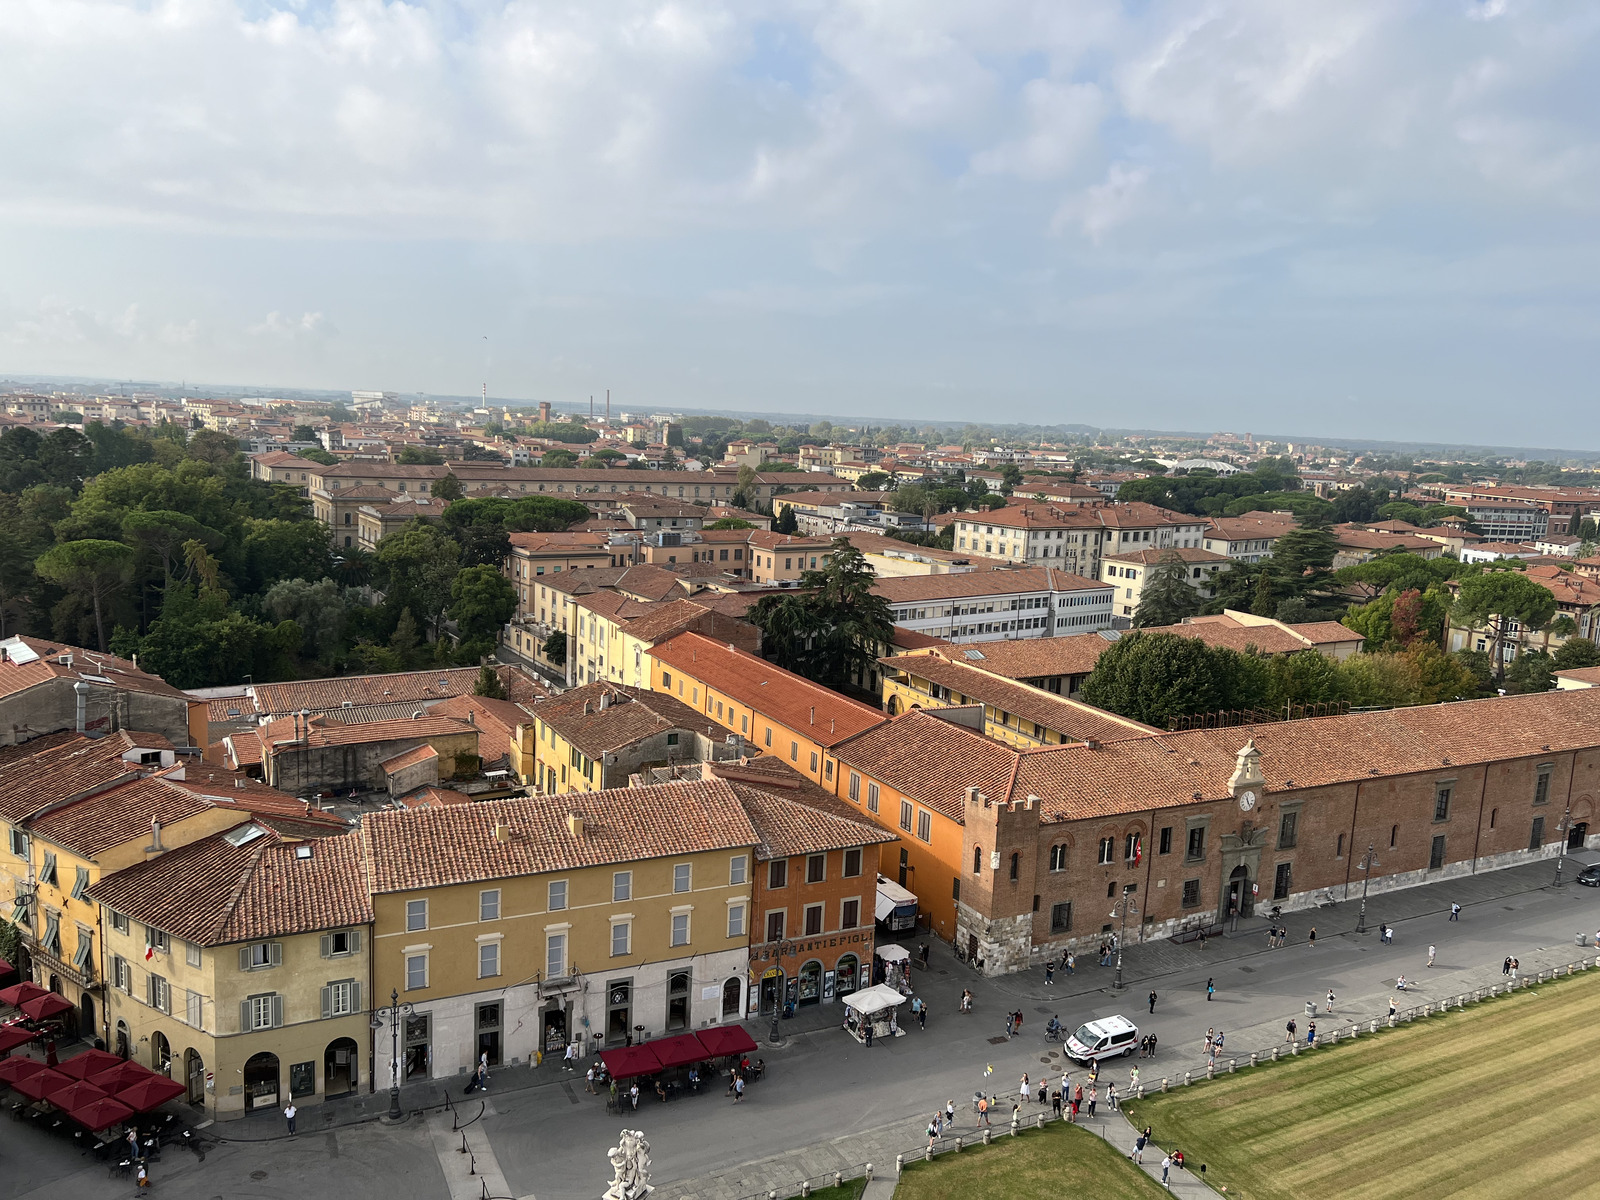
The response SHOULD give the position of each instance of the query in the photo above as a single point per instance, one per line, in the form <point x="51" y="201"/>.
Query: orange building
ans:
<point x="775" y="710"/>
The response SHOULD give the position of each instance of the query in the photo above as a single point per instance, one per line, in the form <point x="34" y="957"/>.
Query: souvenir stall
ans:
<point x="895" y="967"/>
<point x="876" y="1008"/>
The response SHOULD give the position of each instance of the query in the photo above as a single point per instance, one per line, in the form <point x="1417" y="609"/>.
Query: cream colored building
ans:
<point x="239" y="965"/>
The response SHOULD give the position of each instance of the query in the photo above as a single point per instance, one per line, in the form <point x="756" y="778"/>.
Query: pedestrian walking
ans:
<point x="1330" y="1000"/>
<point x="1289" y="1031"/>
<point x="933" y="1130"/>
<point x="950" y="1115"/>
<point x="1166" y="1167"/>
<point x="1515" y="967"/>
<point x="924" y="956"/>
<point x="966" y="1000"/>
<point x="1055" y="1104"/>
<point x="1211" y="989"/>
<point x="1455" y="912"/>
<point x="589" y="1085"/>
<point x="1393" y="1008"/>
<point x="1049" y="972"/>
<point x="1216" y="1046"/>
<point x="1019" y="1020"/>
<point x="1133" y="1080"/>
<point x="1025" y="1089"/>
<point x="1138" y="1149"/>
<point x="738" y="1089"/>
<point x="983" y="1110"/>
<point x="867" y="1029"/>
<point x="288" y="1115"/>
<point x="633" y="1094"/>
<point x="1111" y="1095"/>
<point x="569" y="1062"/>
<point x="1505" y="967"/>
<point x="1311" y="1033"/>
<point x="1384" y="933"/>
<point x="1202" y="938"/>
<point x="1311" y="938"/>
<point x="1431" y="952"/>
<point x="1211" y="1033"/>
<point x="1152" y="1002"/>
<point x="1072" y="962"/>
<point x="1094" y="1072"/>
<point x="1072" y="1108"/>
<point x="1093" y="1094"/>
<point x="1044" y="1090"/>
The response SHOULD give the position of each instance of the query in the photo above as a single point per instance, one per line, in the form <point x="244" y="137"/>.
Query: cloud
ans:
<point x="1107" y="204"/>
<point x="306" y="325"/>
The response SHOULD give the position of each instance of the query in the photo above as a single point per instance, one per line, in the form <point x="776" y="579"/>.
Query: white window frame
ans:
<point x="682" y="878"/>
<point x="736" y="919"/>
<point x="489" y="948"/>
<point x="738" y="869"/>
<point x="680" y="927"/>
<point x="555" y="954"/>
<point x="415" y="909"/>
<point x="621" y="886"/>
<point x="555" y="887"/>
<point x="422" y="957"/>
<point x="626" y="926"/>
<point x="485" y="904"/>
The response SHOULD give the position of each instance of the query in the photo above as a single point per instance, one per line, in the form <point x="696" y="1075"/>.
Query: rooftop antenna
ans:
<point x="608" y="406"/>
<point x="486" y="371"/>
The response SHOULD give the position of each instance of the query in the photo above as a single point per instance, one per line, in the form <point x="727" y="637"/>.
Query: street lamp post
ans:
<point x="1127" y="906"/>
<point x="394" y="1013"/>
<point x="1566" y="824"/>
<point x="1368" y="861"/>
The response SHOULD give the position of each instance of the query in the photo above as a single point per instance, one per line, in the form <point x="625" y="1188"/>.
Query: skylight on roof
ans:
<point x="973" y="654"/>
<point x="243" y="835"/>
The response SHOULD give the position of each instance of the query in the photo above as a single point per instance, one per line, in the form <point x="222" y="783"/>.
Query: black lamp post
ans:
<point x="394" y="1013"/>
<point x="1127" y="906"/>
<point x="1368" y="861"/>
<point x="1566" y="824"/>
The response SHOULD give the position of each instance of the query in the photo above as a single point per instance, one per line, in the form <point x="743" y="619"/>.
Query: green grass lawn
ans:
<point x="1058" y="1160"/>
<point x="1499" y="1099"/>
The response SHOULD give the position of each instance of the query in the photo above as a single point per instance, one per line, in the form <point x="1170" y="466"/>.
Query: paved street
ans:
<point x="828" y="1103"/>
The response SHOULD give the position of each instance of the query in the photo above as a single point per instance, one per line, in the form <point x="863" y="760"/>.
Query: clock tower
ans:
<point x="1246" y="783"/>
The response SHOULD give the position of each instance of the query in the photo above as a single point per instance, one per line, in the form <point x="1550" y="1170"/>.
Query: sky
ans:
<point x="1361" y="219"/>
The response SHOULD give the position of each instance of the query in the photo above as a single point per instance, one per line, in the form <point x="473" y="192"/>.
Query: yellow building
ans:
<point x="597" y="736"/>
<point x="1014" y="713"/>
<point x="239" y="966"/>
<point x="512" y="927"/>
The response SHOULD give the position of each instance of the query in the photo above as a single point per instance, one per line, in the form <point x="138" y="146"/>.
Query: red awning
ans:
<point x="18" y="992"/>
<point x="678" y="1051"/>
<point x="12" y="1036"/>
<point x="5" y="967"/>
<point x="73" y="1093"/>
<point x="100" y="1114"/>
<point x="89" y="1064"/>
<point x="42" y="1008"/>
<point x="13" y="1069"/>
<point x="150" y="1093"/>
<point x="726" y="1039"/>
<point x="630" y="1061"/>
<point x="41" y="1083"/>
<point x="123" y="1074"/>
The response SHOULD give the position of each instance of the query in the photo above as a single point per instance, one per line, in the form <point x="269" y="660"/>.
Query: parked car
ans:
<point x="1590" y="876"/>
<point x="1108" y="1037"/>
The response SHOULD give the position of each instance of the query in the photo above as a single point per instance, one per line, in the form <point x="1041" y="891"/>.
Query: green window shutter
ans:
<point x="275" y="953"/>
<point x="244" y="959"/>
<point x="355" y="941"/>
<point x="355" y="999"/>
<point x="48" y="875"/>
<point x="244" y="1016"/>
<point x="327" y="949"/>
<point x="82" y="886"/>
<point x="327" y="1002"/>
<point x="277" y="1011"/>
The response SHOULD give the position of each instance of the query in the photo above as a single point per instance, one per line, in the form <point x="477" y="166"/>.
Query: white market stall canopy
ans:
<point x="892" y="953"/>
<point x="874" y="999"/>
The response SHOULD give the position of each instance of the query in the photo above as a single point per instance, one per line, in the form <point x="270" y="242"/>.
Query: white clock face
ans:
<point x="1247" y="800"/>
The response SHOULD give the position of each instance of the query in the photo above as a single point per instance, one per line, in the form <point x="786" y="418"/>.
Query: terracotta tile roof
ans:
<point x="998" y="581"/>
<point x="931" y="760"/>
<point x="49" y="770"/>
<point x="233" y="789"/>
<point x="1324" y="632"/>
<point x="286" y="460"/>
<point x="324" y="732"/>
<point x="877" y="543"/>
<point x="1361" y="539"/>
<point x="1032" y="515"/>
<point x="910" y="639"/>
<point x="1239" y="529"/>
<point x="109" y="818"/>
<point x="26" y="662"/>
<point x="792" y="815"/>
<point x="437" y="847"/>
<point x="823" y="715"/>
<point x="630" y="715"/>
<point x="664" y="620"/>
<point x="570" y="542"/>
<point x="768" y="539"/>
<point x="1588" y="675"/>
<point x="496" y="720"/>
<point x="1070" y="718"/>
<point x="1029" y="658"/>
<point x="616" y="606"/>
<point x="649" y="582"/>
<point x="212" y="892"/>
<point x="1264" y="639"/>
<point x="280" y="699"/>
<point x="414" y="757"/>
<point x="1152" y="557"/>
<point x="1139" y="515"/>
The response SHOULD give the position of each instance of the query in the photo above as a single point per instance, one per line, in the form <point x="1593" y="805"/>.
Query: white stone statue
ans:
<point x="630" y="1165"/>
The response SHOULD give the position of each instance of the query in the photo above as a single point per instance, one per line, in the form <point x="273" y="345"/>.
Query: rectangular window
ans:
<point x="489" y="905"/>
<point x="680" y="929"/>
<point x="622" y="885"/>
<point x="1536" y="837"/>
<point x="855" y="787"/>
<point x="416" y="971"/>
<point x="794" y="751"/>
<point x="1166" y="840"/>
<point x="681" y="875"/>
<point x="1541" y="789"/>
<point x="778" y="873"/>
<point x="1108" y="849"/>
<point x="1191" y="893"/>
<point x="416" y="915"/>
<point x="119" y="922"/>
<point x="736" y="920"/>
<point x="555" y="955"/>
<point x="872" y="797"/>
<point x="160" y="994"/>
<point x="905" y="815"/>
<point x="339" y="999"/>
<point x="191" y="954"/>
<point x="1130" y="847"/>
<point x="816" y="868"/>
<point x="488" y="959"/>
<point x="19" y="843"/>
<point x="813" y="920"/>
<point x="775" y="925"/>
<point x="852" y="863"/>
<point x="1061" y="917"/>
<point x="1197" y="843"/>
<point x="1436" y="853"/>
<point x="925" y="825"/>
<point x="621" y="938"/>
<point x="155" y="939"/>
<point x="737" y="865"/>
<point x="1283" y="881"/>
<point x="193" y="1009"/>
<point x="849" y="914"/>
<point x="1441" y="804"/>
<point x="557" y="895"/>
<point x="122" y="973"/>
<point x="260" y="955"/>
<point x="1286" y="830"/>
<point x="260" y="1011"/>
<point x="81" y="885"/>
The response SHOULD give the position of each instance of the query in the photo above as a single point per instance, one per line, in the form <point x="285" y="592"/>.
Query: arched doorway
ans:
<point x="261" y="1082"/>
<point x="1240" y="901"/>
<point x="845" y="974"/>
<point x="122" y="1050"/>
<point x="194" y="1076"/>
<point x="730" y="999"/>
<point x="161" y="1054"/>
<point x="894" y="706"/>
<point x="339" y="1067"/>
<point x="1578" y="835"/>
<point x="86" y="1025"/>
<point x="811" y="982"/>
<point x="677" y="1001"/>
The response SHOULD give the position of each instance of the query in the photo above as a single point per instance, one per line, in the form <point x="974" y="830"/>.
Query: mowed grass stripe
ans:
<point x="1498" y="1099"/>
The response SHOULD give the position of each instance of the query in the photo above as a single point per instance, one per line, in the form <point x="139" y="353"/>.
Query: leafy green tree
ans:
<point x="116" y="447"/>
<point x="303" y="433"/>
<point x="730" y="523"/>
<point x="217" y="449"/>
<point x="559" y="458"/>
<point x="318" y="455"/>
<point x="67" y="458"/>
<point x="1495" y="599"/>
<point x="446" y="487"/>
<point x="1400" y="572"/>
<point x="482" y="601"/>
<point x="1572" y="654"/>
<point x="419" y="456"/>
<point x="1167" y="597"/>
<point x="92" y="569"/>
<point x="489" y="685"/>
<point x="16" y="571"/>
<point x="320" y="610"/>
<point x="415" y="567"/>
<point x="199" y="640"/>
<point x="832" y="629"/>
<point x="787" y="522"/>
<point x="1309" y="677"/>
<point x="872" y="481"/>
<point x="1438" y="676"/>
<point x="555" y="648"/>
<point x="1401" y="510"/>
<point x="162" y="534"/>
<point x="405" y="641"/>
<point x="1156" y="678"/>
<point x="1010" y="478"/>
<point x="274" y="549"/>
<point x="562" y="431"/>
<point x="1531" y="671"/>
<point x="1376" y="681"/>
<point x="1303" y="550"/>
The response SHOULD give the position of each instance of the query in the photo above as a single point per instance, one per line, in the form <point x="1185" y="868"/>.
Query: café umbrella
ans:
<point x="41" y="1083"/>
<point x="95" y="1115"/>
<point x="42" y="1008"/>
<point x="89" y="1064"/>
<point x="19" y="992"/>
<point x="119" y="1076"/>
<point x="150" y="1093"/>
<point x="14" y="1069"/>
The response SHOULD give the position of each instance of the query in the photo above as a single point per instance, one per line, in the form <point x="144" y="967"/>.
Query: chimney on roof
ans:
<point x="1092" y="743"/>
<point x="155" y="846"/>
<point x="472" y="717"/>
<point x="417" y="716"/>
<point x="80" y="691"/>
<point x="813" y="714"/>
<point x="502" y="832"/>
<point x="575" y="824"/>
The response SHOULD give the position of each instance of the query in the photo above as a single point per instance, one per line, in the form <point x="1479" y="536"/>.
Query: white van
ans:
<point x="1106" y="1038"/>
